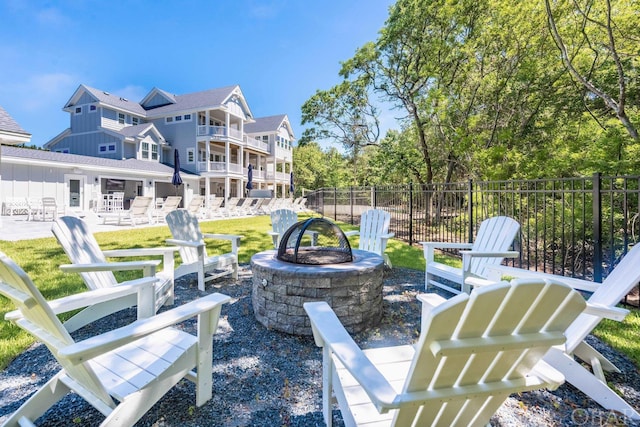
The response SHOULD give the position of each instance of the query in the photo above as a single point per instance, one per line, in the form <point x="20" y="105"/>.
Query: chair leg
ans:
<point x="40" y="402"/>
<point x="586" y="382"/>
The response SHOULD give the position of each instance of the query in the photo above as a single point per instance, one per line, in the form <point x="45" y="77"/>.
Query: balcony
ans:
<point x="220" y="167"/>
<point x="257" y="144"/>
<point x="220" y="133"/>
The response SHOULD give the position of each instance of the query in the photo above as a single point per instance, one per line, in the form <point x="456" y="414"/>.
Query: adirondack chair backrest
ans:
<point x="613" y="289"/>
<point x="496" y="234"/>
<point x="282" y="220"/>
<point x="497" y="333"/>
<point x="373" y="224"/>
<point x="184" y="226"/>
<point x="39" y="320"/>
<point x="81" y="247"/>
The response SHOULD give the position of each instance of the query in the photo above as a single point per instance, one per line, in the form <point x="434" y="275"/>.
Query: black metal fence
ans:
<point x="579" y="227"/>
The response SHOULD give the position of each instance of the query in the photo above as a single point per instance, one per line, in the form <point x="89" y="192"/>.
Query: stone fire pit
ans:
<point x="352" y="289"/>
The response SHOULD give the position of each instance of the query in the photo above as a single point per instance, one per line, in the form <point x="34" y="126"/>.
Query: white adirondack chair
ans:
<point x="186" y="233"/>
<point x="281" y="221"/>
<point x="374" y="232"/>
<point x="169" y="204"/>
<point x="490" y="247"/>
<point x="601" y="304"/>
<point x="139" y="211"/>
<point x="473" y="351"/>
<point x="134" y="365"/>
<point x="90" y="261"/>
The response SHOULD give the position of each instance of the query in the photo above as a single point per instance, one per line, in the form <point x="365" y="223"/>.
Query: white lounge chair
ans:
<point x="601" y="304"/>
<point x="169" y="204"/>
<point x="473" y="351"/>
<point x="374" y="233"/>
<point x="123" y="372"/>
<point x="139" y="211"/>
<point x="186" y="233"/>
<point x="91" y="263"/>
<point x="490" y="247"/>
<point x="195" y="206"/>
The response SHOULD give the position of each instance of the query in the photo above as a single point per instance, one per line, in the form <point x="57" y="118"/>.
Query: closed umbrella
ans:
<point x="250" y="177"/>
<point x="176" y="179"/>
<point x="291" y="186"/>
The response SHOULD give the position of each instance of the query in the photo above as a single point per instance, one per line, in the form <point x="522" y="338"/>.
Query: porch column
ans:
<point x="227" y="187"/>
<point x="207" y="191"/>
<point x="227" y="156"/>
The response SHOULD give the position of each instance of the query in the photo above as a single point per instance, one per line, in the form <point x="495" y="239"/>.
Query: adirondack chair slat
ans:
<point x="186" y="233"/>
<point x="91" y="262"/>
<point x="490" y="247"/>
<point x="466" y="363"/>
<point x="374" y="233"/>
<point x="134" y="365"/>
<point x="601" y="304"/>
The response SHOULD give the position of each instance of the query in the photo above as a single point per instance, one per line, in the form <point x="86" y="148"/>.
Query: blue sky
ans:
<point x="279" y="52"/>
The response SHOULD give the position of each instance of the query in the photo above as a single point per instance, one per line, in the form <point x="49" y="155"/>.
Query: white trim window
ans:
<point x="62" y="150"/>
<point x="77" y="110"/>
<point x="93" y="108"/>
<point x="135" y="120"/>
<point x="154" y="151"/>
<point x="176" y="119"/>
<point x="168" y="119"/>
<point x="144" y="148"/>
<point x="109" y="147"/>
<point x="121" y="118"/>
<point x="191" y="155"/>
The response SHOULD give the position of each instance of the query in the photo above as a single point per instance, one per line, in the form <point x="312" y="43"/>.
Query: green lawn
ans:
<point x="40" y="258"/>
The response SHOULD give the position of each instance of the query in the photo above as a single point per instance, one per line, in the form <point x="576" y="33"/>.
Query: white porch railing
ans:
<point x="219" y="131"/>
<point x="258" y="144"/>
<point x="219" y="167"/>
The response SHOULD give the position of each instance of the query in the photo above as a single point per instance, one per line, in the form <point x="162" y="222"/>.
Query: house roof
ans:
<point x="108" y="99"/>
<point x="190" y="101"/>
<point x="88" y="161"/>
<point x="138" y="130"/>
<point x="269" y="124"/>
<point x="10" y="130"/>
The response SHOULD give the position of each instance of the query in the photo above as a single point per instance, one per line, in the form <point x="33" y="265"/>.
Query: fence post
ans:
<point x="470" y="213"/>
<point x="335" y="203"/>
<point x="410" y="214"/>
<point x="351" y="202"/>
<point x="374" y="199"/>
<point x="597" y="228"/>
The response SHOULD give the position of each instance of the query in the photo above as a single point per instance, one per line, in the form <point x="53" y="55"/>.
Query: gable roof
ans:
<point x="269" y="124"/>
<point x="139" y="131"/>
<point x="89" y="162"/>
<point x="106" y="99"/>
<point x="10" y="131"/>
<point x="203" y="99"/>
<point x="171" y="99"/>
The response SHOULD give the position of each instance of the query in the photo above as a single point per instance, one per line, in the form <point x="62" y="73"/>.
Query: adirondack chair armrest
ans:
<point x="483" y="254"/>
<point x="235" y="239"/>
<point x="578" y="284"/>
<point x="100" y="344"/>
<point x="600" y="310"/>
<point x="352" y="233"/>
<point x="185" y="243"/>
<point x="387" y="236"/>
<point x="329" y="333"/>
<point x="167" y="253"/>
<point x="274" y="236"/>
<point x="147" y="266"/>
<point x="87" y="298"/>
<point x="429" y="248"/>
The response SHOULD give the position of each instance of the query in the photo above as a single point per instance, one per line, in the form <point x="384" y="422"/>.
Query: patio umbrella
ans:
<point x="176" y="179"/>
<point x="250" y="177"/>
<point x="291" y="186"/>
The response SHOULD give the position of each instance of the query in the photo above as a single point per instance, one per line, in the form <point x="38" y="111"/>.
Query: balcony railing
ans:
<point x="219" y="131"/>
<point x="219" y="167"/>
<point x="255" y="143"/>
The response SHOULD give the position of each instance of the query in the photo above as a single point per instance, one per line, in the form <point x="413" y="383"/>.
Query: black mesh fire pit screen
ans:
<point x="314" y="241"/>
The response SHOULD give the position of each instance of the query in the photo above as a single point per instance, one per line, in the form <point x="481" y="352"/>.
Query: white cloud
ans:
<point x="43" y="90"/>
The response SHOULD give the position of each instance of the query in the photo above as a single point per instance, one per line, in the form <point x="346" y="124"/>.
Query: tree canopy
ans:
<point x="491" y="89"/>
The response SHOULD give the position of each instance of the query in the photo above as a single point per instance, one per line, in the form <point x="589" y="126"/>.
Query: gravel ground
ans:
<point x="268" y="378"/>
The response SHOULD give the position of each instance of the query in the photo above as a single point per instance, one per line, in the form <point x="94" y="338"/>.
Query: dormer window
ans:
<point x="78" y="110"/>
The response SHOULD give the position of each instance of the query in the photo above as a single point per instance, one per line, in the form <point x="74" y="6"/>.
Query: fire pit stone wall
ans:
<point x="353" y="290"/>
